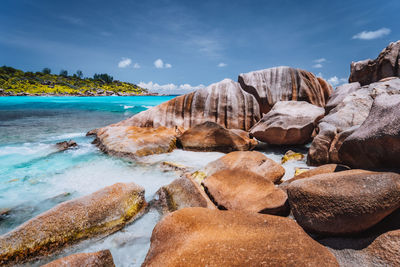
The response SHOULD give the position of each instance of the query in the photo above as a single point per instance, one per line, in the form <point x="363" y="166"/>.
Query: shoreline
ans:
<point x="77" y="95"/>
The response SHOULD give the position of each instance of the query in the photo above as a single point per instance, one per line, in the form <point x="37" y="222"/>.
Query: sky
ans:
<point x="178" y="46"/>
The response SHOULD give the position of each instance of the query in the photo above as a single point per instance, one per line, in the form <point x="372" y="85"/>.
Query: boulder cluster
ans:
<point x="237" y="210"/>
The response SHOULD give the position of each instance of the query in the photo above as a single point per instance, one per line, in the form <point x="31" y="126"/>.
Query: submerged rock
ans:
<point x="132" y="141"/>
<point x="61" y="146"/>
<point x="101" y="258"/>
<point x="288" y="123"/>
<point x="224" y="103"/>
<point x="203" y="237"/>
<point x="376" y="143"/>
<point x="385" y="65"/>
<point x="210" y="136"/>
<point x="239" y="189"/>
<point x="100" y="213"/>
<point x="347" y="202"/>
<point x="248" y="160"/>
<point x="291" y="155"/>
<point x="284" y="83"/>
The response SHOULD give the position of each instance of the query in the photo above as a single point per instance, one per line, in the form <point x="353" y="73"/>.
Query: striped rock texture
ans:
<point x="224" y="103"/>
<point x="387" y="64"/>
<point x="284" y="83"/>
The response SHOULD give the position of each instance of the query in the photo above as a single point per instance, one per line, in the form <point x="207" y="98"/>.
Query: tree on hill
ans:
<point x="64" y="73"/>
<point x="103" y="77"/>
<point x="46" y="71"/>
<point x="79" y="74"/>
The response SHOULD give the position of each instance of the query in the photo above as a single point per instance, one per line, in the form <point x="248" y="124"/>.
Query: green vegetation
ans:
<point x="18" y="81"/>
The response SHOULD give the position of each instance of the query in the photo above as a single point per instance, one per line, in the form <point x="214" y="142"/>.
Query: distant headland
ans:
<point x="15" y="82"/>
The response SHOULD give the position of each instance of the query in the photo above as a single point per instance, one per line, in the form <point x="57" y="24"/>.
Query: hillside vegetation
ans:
<point x="18" y="82"/>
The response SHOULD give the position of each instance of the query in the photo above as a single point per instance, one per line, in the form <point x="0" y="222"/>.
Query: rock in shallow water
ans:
<point x="210" y="136"/>
<point x="100" y="213"/>
<point x="284" y="83"/>
<point x="346" y="202"/>
<point x="95" y="259"/>
<point x="253" y="161"/>
<point x="288" y="123"/>
<point x="203" y="237"/>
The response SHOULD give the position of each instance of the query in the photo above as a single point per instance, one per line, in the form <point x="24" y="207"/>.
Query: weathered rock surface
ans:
<point x="129" y="141"/>
<point x="182" y="193"/>
<point x="100" y="213"/>
<point x="385" y="65"/>
<point x="96" y="259"/>
<point x="203" y="237"/>
<point x="249" y="160"/>
<point x="288" y="123"/>
<point x="61" y="146"/>
<point x="376" y="143"/>
<point x="284" y="83"/>
<point x="344" y="203"/>
<point x="239" y="189"/>
<point x="348" y="115"/>
<point x="340" y="93"/>
<point x="384" y="250"/>
<point x="210" y="136"/>
<point x="224" y="103"/>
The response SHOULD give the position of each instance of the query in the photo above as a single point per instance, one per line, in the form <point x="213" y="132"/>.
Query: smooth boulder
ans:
<point x="288" y="123"/>
<point x="203" y="237"/>
<point x="131" y="142"/>
<point x="210" y="136"/>
<point x="95" y="259"/>
<point x="346" y="202"/>
<point x="376" y="143"/>
<point x="240" y="189"/>
<point x="253" y="161"/>
<point x="385" y="65"/>
<point x="224" y="103"/>
<point x="340" y="93"/>
<point x="270" y="86"/>
<point x="99" y="214"/>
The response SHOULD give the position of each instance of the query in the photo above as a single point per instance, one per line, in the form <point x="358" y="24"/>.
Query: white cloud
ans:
<point x="170" y="88"/>
<point x="222" y="64"/>
<point x="319" y="74"/>
<point x="337" y="81"/>
<point x="125" y="62"/>
<point x="369" y="35"/>
<point x="320" y="60"/>
<point x="317" y="66"/>
<point x="159" y="64"/>
<point x="136" y="66"/>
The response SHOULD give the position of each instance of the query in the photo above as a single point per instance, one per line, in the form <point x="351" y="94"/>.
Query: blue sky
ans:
<point x="173" y="46"/>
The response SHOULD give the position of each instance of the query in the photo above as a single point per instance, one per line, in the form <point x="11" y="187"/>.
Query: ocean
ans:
<point x="35" y="177"/>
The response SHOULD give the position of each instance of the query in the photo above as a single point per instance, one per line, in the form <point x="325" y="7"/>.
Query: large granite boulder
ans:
<point x="384" y="250"/>
<point x="385" y="65"/>
<point x="253" y="161"/>
<point x="346" y="202"/>
<point x="344" y="119"/>
<point x="182" y="193"/>
<point x="131" y="142"/>
<point x="210" y="136"/>
<point x="288" y="123"/>
<point x="98" y="214"/>
<point x="203" y="237"/>
<point x="340" y="93"/>
<point x="95" y="259"/>
<point x="284" y="83"/>
<point x="376" y="143"/>
<point x="240" y="189"/>
<point x="224" y="103"/>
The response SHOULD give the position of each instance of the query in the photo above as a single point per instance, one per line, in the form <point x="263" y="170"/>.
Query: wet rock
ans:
<point x="348" y="115"/>
<point x="239" y="189"/>
<point x="283" y="84"/>
<point x="376" y="143"/>
<point x="224" y="103"/>
<point x="385" y="65"/>
<point x="288" y="123"/>
<point x="249" y="160"/>
<point x="291" y="155"/>
<point x="101" y="258"/>
<point x="62" y="146"/>
<point x="168" y="165"/>
<point x="98" y="214"/>
<point x="203" y="237"/>
<point x="210" y="136"/>
<point x="347" y="202"/>
<point x="125" y="141"/>
<point x="182" y="193"/>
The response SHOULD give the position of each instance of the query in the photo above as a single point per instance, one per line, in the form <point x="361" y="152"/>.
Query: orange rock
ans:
<point x="96" y="259"/>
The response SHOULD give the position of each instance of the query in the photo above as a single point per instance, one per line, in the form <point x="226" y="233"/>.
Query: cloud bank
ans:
<point x="170" y="88"/>
<point x="370" y="35"/>
<point x="335" y="81"/>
